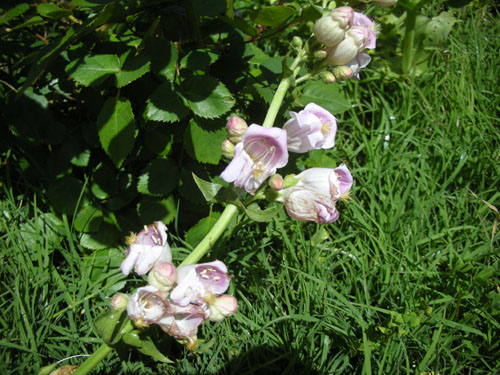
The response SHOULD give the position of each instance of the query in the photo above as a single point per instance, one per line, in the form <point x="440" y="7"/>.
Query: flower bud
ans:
<point x="163" y="276"/>
<point x="119" y="302"/>
<point x="223" y="306"/>
<point x="348" y="49"/>
<point x="344" y="16"/>
<point x="360" y="36"/>
<point x="227" y="149"/>
<point x="328" y="31"/>
<point x="327" y="77"/>
<point x="297" y="41"/>
<point x="236" y="127"/>
<point x="276" y="182"/>
<point x="384" y="3"/>
<point x="320" y="54"/>
<point x="342" y="73"/>
<point x="290" y="181"/>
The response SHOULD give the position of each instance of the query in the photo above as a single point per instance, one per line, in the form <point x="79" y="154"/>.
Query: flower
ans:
<point x="196" y="282"/>
<point x="358" y="63"/>
<point x="146" y="249"/>
<point x="312" y="128"/>
<point x="332" y="183"/>
<point x="258" y="155"/>
<point x="146" y="306"/>
<point x="353" y="43"/>
<point x="361" y="20"/>
<point x="309" y="205"/>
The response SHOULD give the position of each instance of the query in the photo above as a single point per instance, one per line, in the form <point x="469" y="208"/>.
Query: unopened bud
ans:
<point x="236" y="127"/>
<point x="163" y="276"/>
<point x="223" y="306"/>
<point x="119" y="302"/>
<point x="327" y="77"/>
<point x="344" y="16"/>
<point x="276" y="182"/>
<point x="297" y="42"/>
<point x="227" y="149"/>
<point x="384" y="3"/>
<point x="348" y="49"/>
<point x="320" y="54"/>
<point x="342" y="73"/>
<point x="328" y="31"/>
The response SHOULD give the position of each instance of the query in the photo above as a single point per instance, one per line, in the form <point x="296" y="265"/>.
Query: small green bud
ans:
<point x="290" y="181"/>
<point x="297" y="42"/>
<point x="327" y="77"/>
<point x="320" y="54"/>
<point x="119" y="302"/>
<point x="227" y="149"/>
<point x="276" y="182"/>
<point x="342" y="73"/>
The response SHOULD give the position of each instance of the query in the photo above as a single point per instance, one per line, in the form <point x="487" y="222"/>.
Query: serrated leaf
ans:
<point x="198" y="59"/>
<point x="163" y="57"/>
<point x="204" y="145"/>
<point x="208" y="189"/>
<point x="160" y="177"/>
<point x="165" y="105"/>
<point x="64" y="194"/>
<point x="207" y="97"/>
<point x="150" y="210"/>
<point x="133" y="68"/>
<point x="324" y="95"/>
<point x="106" y="237"/>
<point x="273" y="15"/>
<point x="92" y="69"/>
<point x="255" y="213"/>
<point x="88" y="220"/>
<point x="116" y="129"/>
<point x="52" y="11"/>
<point x="198" y="231"/>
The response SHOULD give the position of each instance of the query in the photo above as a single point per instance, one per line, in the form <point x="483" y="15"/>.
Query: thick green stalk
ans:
<point x="409" y="40"/>
<point x="93" y="360"/>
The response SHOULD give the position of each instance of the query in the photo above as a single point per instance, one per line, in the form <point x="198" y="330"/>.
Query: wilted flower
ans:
<point x="353" y="43"/>
<point x="309" y="205"/>
<point x="312" y="128"/>
<point x="146" y="306"/>
<point x="200" y="281"/>
<point x="182" y="322"/>
<point x="163" y="276"/>
<point x="236" y="127"/>
<point x="359" y="62"/>
<point x="258" y="155"/>
<point x="146" y="249"/>
<point x="361" y="20"/>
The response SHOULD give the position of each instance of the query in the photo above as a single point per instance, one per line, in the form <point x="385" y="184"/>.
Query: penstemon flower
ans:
<point x="312" y="128"/>
<point x="310" y="205"/>
<point x="146" y="249"/>
<point x="258" y="155"/>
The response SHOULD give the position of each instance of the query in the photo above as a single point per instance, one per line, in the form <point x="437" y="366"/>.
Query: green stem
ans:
<point x="280" y="93"/>
<point x="212" y="236"/>
<point x="409" y="40"/>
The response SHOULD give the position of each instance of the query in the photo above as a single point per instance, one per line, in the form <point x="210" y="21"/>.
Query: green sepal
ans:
<point x="143" y="342"/>
<point x="109" y="326"/>
<point x="132" y="338"/>
<point x="208" y="189"/>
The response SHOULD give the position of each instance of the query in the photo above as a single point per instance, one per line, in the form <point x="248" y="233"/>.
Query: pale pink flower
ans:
<point x="328" y="182"/>
<point x="197" y="282"/>
<point x="146" y="306"/>
<point x="358" y="63"/>
<point x="258" y="155"/>
<point x="146" y="249"/>
<point x="361" y="20"/>
<point x="312" y="128"/>
<point x="309" y="205"/>
<point x="181" y="322"/>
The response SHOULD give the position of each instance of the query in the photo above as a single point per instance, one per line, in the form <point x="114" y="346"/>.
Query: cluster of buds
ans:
<point x="176" y="299"/>
<point x="261" y="151"/>
<point x="345" y="34"/>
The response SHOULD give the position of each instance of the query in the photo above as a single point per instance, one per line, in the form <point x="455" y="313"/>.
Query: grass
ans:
<point x="406" y="282"/>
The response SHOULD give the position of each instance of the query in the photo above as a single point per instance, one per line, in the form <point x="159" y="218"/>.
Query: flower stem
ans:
<point x="408" y="41"/>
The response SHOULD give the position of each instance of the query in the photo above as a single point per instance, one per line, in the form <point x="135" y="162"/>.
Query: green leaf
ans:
<point x="207" y="97"/>
<point x="198" y="59"/>
<point x="255" y="213"/>
<point x="440" y="26"/>
<point x="64" y="194"/>
<point x="325" y="95"/>
<point x="203" y="144"/>
<point x="36" y="20"/>
<point x="109" y="326"/>
<point x="116" y="129"/>
<point x="92" y="69"/>
<point x="208" y="189"/>
<point x="106" y="237"/>
<point x="160" y="177"/>
<point x="52" y="11"/>
<point x="273" y="15"/>
<point x="89" y="219"/>
<point x="165" y="105"/>
<point x="149" y="348"/>
<point x="150" y="210"/>
<point x="197" y="232"/>
<point x="104" y="182"/>
<point x="134" y="67"/>
<point x="163" y="57"/>
<point x="13" y="13"/>
<point x="158" y="141"/>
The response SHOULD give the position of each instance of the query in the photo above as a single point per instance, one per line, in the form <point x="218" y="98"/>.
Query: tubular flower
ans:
<point x="146" y="306"/>
<point x="146" y="249"/>
<point x="200" y="281"/>
<point x="312" y="128"/>
<point x="309" y="205"/>
<point x="258" y="155"/>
